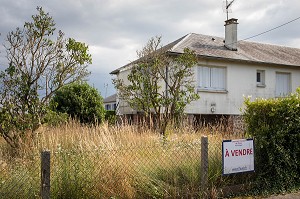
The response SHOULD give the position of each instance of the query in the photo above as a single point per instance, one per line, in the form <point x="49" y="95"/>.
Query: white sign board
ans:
<point x="237" y="156"/>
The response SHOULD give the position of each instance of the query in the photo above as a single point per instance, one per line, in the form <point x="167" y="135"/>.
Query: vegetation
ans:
<point x="111" y="117"/>
<point x="80" y="101"/>
<point x="160" y="85"/>
<point x="275" y="125"/>
<point x="107" y="161"/>
<point x="110" y="162"/>
<point x="127" y="161"/>
<point x="40" y="63"/>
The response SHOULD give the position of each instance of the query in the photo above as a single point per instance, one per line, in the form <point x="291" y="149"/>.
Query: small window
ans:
<point x="260" y="78"/>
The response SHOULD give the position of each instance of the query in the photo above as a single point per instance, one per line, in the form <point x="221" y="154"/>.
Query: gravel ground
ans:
<point x="287" y="196"/>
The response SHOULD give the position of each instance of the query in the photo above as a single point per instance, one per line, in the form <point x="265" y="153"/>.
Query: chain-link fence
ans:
<point x="162" y="169"/>
<point x="20" y="179"/>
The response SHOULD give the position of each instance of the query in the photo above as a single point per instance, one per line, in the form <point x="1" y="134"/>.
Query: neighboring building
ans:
<point x="228" y="70"/>
<point x="110" y="103"/>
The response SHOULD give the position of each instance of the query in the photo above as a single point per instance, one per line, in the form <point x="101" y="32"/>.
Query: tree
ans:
<point x="80" y="101"/>
<point x="40" y="63"/>
<point x="160" y="84"/>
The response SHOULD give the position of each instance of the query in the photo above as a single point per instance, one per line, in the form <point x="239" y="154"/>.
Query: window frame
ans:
<point x="210" y="77"/>
<point x="108" y="107"/>
<point x="262" y="82"/>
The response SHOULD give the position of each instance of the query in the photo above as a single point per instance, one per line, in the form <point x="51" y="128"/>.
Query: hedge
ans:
<point x="275" y="125"/>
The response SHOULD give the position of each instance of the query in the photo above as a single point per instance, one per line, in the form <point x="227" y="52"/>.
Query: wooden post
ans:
<point x="45" y="174"/>
<point x="204" y="163"/>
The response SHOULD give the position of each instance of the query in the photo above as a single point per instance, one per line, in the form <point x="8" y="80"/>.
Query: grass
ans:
<point x="112" y="162"/>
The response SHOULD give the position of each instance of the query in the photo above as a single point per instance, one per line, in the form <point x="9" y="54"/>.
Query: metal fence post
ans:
<point x="204" y="162"/>
<point x="45" y="174"/>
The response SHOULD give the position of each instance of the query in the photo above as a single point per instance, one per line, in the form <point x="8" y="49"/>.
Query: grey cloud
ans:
<point x="119" y="28"/>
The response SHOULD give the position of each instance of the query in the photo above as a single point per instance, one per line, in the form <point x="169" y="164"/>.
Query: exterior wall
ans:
<point x="110" y="106"/>
<point x="240" y="82"/>
<point x="123" y="107"/>
<point x="229" y="123"/>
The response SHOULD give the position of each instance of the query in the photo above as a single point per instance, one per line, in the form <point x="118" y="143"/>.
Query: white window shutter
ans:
<point x="211" y="78"/>
<point x="218" y="78"/>
<point x="282" y="84"/>
<point x="204" y="77"/>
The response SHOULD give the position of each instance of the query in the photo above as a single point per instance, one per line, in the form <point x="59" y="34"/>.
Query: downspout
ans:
<point x="167" y="81"/>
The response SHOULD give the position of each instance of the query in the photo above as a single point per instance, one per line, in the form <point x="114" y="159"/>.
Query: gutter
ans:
<point x="234" y="60"/>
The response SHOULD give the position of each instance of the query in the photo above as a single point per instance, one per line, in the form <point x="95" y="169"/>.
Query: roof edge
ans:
<point x="237" y="60"/>
<point x="180" y="42"/>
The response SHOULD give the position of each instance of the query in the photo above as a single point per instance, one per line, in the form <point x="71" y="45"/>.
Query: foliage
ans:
<point x="53" y="118"/>
<point x="275" y="124"/>
<point x="80" y="101"/>
<point x="39" y="64"/>
<point x="111" y="162"/>
<point x="110" y="116"/>
<point x="160" y="85"/>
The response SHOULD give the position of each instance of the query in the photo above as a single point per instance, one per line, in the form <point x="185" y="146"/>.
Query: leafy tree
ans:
<point x="80" y="101"/>
<point x="160" y="85"/>
<point x="40" y="62"/>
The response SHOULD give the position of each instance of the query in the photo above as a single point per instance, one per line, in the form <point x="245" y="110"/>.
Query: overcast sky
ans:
<point x="115" y="29"/>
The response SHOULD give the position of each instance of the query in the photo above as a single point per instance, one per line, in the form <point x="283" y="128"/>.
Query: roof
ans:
<point x="111" y="98"/>
<point x="212" y="47"/>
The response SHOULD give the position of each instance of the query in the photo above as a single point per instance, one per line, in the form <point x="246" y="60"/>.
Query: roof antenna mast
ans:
<point x="226" y="7"/>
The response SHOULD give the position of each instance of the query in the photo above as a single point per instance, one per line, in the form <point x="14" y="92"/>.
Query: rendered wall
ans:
<point x="240" y="83"/>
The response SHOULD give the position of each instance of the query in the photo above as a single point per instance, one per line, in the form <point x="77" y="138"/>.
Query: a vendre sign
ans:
<point x="238" y="156"/>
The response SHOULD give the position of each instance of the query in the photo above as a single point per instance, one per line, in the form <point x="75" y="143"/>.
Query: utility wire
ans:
<point x="271" y="29"/>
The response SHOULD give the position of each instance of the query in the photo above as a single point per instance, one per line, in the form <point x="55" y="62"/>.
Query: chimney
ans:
<point x="231" y="34"/>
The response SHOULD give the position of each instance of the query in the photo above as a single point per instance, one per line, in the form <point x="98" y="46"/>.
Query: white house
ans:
<point x="228" y="70"/>
<point x="110" y="103"/>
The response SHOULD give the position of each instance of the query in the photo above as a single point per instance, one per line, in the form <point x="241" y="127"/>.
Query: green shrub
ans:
<point x="111" y="117"/>
<point x="80" y="101"/>
<point x="53" y="118"/>
<point x="275" y="125"/>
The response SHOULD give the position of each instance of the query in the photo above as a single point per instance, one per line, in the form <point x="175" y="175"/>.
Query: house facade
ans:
<point x="229" y="70"/>
<point x="110" y="102"/>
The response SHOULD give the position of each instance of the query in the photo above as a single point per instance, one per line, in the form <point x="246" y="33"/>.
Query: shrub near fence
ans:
<point x="275" y="124"/>
<point x="136" y="165"/>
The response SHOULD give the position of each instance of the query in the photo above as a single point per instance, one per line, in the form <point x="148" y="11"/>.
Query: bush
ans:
<point x="110" y="117"/>
<point x="53" y="118"/>
<point x="80" y="101"/>
<point x="275" y="125"/>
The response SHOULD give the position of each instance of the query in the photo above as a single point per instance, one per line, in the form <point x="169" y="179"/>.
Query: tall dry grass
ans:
<point x="111" y="161"/>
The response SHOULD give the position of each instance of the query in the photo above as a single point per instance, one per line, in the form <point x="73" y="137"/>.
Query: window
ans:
<point x="260" y="78"/>
<point x="107" y="107"/>
<point x="211" y="78"/>
<point x="283" y="82"/>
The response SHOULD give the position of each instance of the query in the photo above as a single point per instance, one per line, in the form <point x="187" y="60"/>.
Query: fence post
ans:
<point x="204" y="162"/>
<point x="45" y="174"/>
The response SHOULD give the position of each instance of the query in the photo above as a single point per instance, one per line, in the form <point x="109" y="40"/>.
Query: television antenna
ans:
<point x="226" y="7"/>
<point x="105" y="86"/>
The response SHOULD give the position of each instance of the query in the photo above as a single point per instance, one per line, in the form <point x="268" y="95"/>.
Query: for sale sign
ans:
<point x="238" y="156"/>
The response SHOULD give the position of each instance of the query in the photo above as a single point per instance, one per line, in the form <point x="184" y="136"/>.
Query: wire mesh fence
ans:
<point x="20" y="179"/>
<point x="160" y="169"/>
